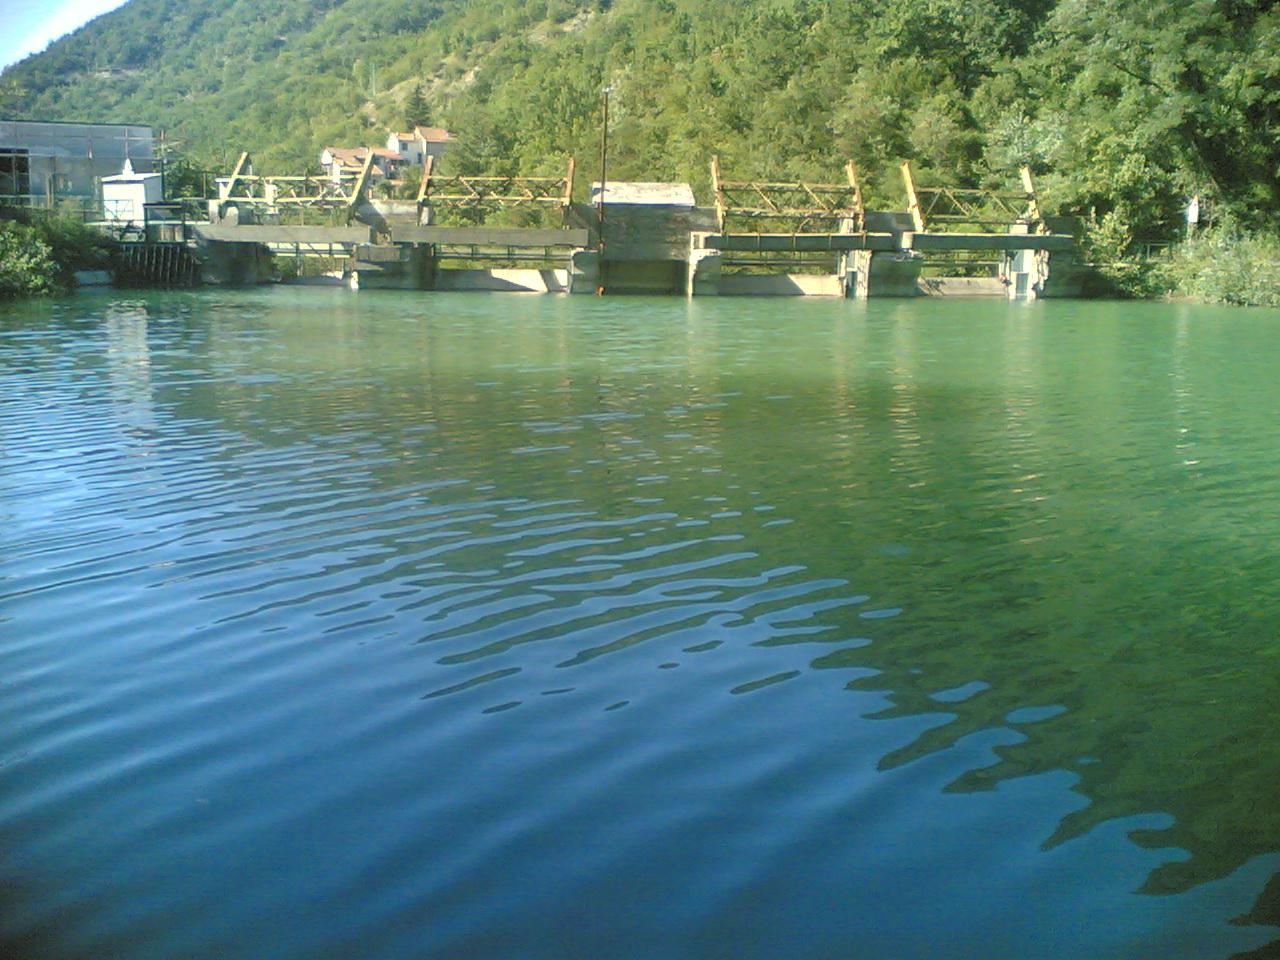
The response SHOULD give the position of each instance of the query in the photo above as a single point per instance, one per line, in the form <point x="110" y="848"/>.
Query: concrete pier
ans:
<point x="584" y="271"/>
<point x="392" y="267"/>
<point x="644" y="238"/>
<point x="224" y="263"/>
<point x="888" y="273"/>
<point x="1036" y="274"/>
<point x="704" y="273"/>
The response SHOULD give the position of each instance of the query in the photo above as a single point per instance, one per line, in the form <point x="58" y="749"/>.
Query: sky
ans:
<point x="27" y="26"/>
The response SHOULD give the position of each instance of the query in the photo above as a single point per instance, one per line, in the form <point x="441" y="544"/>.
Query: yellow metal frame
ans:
<point x="932" y="208"/>
<point x="803" y="205"/>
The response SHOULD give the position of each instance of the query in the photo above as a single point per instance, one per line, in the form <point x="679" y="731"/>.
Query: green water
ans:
<point x="492" y="626"/>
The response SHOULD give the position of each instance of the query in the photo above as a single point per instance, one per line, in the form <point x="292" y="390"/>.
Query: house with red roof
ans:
<point x="420" y="143"/>
<point x="340" y="161"/>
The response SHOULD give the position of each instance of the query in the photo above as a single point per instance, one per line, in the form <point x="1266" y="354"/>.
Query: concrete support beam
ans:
<point x="233" y="264"/>
<point x="869" y="273"/>
<point x="796" y="242"/>
<point x="489" y="236"/>
<point x="584" y="271"/>
<point x="704" y="273"/>
<point x="1033" y="274"/>
<point x="280" y="234"/>
<point x="986" y="241"/>
<point x="854" y="267"/>
<point x="1064" y="276"/>
<point x="393" y="267"/>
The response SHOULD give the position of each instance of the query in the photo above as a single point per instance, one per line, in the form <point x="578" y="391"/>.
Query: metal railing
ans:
<point x="41" y="205"/>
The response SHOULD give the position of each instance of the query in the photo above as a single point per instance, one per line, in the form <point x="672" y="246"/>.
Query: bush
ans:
<point x="59" y="245"/>
<point x="27" y="267"/>
<point x="1224" y="266"/>
<point x="1108" y="244"/>
<point x="75" y="246"/>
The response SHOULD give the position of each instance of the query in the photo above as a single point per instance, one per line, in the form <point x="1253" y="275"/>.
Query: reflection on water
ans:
<point x="550" y="627"/>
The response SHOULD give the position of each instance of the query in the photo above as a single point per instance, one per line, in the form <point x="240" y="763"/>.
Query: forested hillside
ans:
<point x="1123" y="107"/>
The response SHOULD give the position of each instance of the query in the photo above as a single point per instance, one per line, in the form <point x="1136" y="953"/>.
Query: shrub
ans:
<point x="67" y="244"/>
<point x="1225" y="266"/>
<point x="27" y="267"/>
<point x="1108" y="244"/>
<point x="74" y="246"/>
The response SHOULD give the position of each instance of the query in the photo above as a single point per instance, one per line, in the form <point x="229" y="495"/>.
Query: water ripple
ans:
<point x="602" y="630"/>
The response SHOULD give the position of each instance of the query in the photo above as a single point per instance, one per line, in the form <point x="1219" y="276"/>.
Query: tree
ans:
<point x="415" y="108"/>
<point x="1159" y="107"/>
<point x="11" y="95"/>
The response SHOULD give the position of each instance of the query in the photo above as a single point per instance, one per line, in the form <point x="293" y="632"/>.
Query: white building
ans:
<point x="418" y="144"/>
<point x="347" y="161"/>
<point x="125" y="195"/>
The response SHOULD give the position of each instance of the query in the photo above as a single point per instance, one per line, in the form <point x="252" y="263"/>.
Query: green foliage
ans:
<point x="11" y="95"/>
<point x="416" y="110"/>
<point x="41" y="254"/>
<point x="1223" y="266"/>
<point x="1159" y="101"/>
<point x="184" y="178"/>
<point x="1124" y="108"/>
<point x="27" y="267"/>
<point x="1108" y="244"/>
<point x="75" y="246"/>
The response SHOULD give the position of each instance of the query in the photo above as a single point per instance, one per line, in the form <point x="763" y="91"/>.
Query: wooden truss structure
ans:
<point x="800" y="207"/>
<point x="458" y="192"/>
<point x="345" y="191"/>
<point x="932" y="208"/>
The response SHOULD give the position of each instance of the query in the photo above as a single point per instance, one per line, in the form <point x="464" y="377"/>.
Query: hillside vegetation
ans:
<point x="1124" y="108"/>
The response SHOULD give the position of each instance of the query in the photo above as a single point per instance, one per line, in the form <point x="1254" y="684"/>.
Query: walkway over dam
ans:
<point x="756" y="238"/>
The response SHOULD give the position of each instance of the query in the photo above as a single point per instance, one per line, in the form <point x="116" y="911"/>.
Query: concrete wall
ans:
<point x="652" y="232"/>
<point x="402" y="267"/>
<point x="882" y="274"/>
<point x="888" y="221"/>
<point x="644" y="276"/>
<point x="233" y="264"/>
<point x="518" y="280"/>
<point x="384" y="215"/>
<point x="963" y="287"/>
<point x="781" y="285"/>
<point x="392" y="267"/>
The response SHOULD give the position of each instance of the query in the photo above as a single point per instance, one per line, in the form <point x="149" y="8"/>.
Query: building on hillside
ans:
<point x="420" y="143"/>
<point x="44" y="161"/>
<point x="345" y="161"/>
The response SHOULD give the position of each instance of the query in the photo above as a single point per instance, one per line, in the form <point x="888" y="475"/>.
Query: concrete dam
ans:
<point x="756" y="238"/>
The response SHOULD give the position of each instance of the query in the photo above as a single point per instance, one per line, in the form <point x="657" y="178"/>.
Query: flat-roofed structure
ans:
<point x="42" y="161"/>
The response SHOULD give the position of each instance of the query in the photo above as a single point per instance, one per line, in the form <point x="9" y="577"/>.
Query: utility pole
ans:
<point x="604" y="174"/>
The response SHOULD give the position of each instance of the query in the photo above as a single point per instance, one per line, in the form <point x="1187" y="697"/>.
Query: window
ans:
<point x="15" y="176"/>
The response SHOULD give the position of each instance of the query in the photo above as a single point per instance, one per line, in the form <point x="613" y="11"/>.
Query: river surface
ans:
<point x="482" y="626"/>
